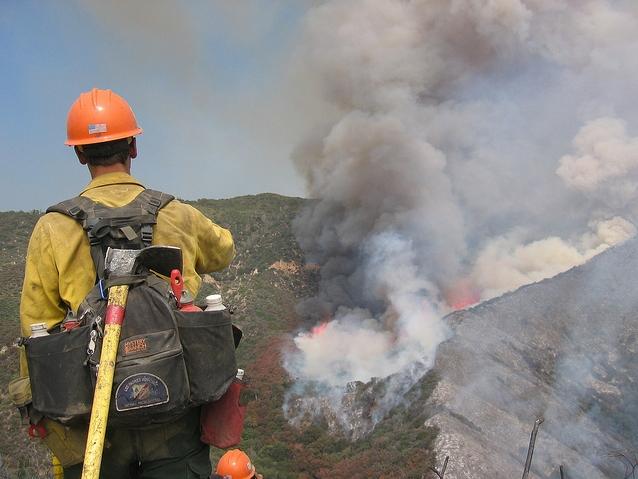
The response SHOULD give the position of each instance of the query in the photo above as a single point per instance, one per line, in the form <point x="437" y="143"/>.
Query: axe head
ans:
<point x="160" y="259"/>
<point x="119" y="262"/>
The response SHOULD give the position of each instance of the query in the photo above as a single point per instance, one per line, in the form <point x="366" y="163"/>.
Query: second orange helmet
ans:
<point x="236" y="464"/>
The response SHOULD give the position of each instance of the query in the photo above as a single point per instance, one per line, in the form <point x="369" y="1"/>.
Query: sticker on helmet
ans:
<point x="97" y="128"/>
<point x="140" y="390"/>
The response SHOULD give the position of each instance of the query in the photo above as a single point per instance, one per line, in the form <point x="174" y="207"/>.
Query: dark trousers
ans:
<point x="168" y="451"/>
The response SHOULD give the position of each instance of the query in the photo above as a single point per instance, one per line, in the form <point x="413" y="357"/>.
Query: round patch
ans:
<point x="140" y="390"/>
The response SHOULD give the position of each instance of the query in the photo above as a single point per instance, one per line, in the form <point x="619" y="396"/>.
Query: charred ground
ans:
<point x="563" y="349"/>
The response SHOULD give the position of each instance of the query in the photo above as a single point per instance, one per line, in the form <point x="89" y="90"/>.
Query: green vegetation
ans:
<point x="262" y="286"/>
<point x="21" y="457"/>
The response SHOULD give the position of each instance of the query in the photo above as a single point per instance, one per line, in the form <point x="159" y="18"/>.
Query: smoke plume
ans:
<point x="605" y="162"/>
<point x="475" y="146"/>
<point x="505" y="263"/>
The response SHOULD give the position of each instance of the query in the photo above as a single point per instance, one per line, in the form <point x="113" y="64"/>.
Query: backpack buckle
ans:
<point x="154" y="202"/>
<point x="93" y="239"/>
<point x="146" y="232"/>
<point x="76" y="212"/>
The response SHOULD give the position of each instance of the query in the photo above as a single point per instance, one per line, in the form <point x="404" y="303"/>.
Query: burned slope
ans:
<point x="563" y="349"/>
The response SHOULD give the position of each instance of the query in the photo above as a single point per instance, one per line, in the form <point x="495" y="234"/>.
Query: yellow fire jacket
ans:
<point x="59" y="271"/>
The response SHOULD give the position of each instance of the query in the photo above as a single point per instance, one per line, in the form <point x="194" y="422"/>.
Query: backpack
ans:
<point x="167" y="360"/>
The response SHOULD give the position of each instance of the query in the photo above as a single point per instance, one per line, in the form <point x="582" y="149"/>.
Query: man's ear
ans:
<point x="80" y="156"/>
<point x="132" y="148"/>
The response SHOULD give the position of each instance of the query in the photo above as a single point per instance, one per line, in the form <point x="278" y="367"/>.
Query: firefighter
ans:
<point x="235" y="464"/>
<point x="59" y="272"/>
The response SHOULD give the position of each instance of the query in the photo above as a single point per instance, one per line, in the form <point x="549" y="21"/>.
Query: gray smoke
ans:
<point x="474" y="146"/>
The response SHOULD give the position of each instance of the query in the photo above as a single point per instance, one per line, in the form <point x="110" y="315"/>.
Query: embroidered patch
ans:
<point x="97" y="128"/>
<point x="140" y="390"/>
<point x="135" y="346"/>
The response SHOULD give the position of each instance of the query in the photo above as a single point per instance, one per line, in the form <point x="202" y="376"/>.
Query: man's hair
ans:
<point x="107" y="153"/>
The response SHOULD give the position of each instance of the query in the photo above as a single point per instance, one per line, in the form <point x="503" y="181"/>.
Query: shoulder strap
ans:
<point x="97" y="219"/>
<point x="152" y="201"/>
<point x="76" y="207"/>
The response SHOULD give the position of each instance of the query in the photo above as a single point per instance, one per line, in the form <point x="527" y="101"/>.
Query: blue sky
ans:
<point x="207" y="80"/>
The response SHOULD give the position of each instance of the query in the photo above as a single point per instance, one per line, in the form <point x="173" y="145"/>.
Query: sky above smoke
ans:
<point x="474" y="146"/>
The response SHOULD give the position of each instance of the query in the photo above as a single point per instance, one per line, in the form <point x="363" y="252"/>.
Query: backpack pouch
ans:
<point x="209" y="351"/>
<point x="151" y="383"/>
<point x="60" y="378"/>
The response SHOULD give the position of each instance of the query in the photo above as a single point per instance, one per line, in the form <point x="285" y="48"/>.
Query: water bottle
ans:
<point x="214" y="303"/>
<point x="38" y="330"/>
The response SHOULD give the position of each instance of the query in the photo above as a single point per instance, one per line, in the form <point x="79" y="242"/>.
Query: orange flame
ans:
<point x="319" y="328"/>
<point x="462" y="295"/>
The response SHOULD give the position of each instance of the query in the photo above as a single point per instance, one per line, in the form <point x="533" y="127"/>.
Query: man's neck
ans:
<point x="97" y="170"/>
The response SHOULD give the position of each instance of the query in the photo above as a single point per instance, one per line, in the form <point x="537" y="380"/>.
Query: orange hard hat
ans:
<point x="98" y="116"/>
<point x="235" y="464"/>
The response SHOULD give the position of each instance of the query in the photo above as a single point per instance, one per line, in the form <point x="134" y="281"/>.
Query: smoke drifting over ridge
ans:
<point x="478" y="146"/>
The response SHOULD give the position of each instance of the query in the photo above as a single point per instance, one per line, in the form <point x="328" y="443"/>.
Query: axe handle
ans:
<point x="58" y="471"/>
<point x="102" y="396"/>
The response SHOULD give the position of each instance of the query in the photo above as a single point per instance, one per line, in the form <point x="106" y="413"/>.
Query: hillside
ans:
<point x="262" y="285"/>
<point x="563" y="349"/>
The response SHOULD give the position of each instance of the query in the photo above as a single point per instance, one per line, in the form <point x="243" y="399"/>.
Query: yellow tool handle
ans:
<point x="104" y="385"/>
<point x="58" y="471"/>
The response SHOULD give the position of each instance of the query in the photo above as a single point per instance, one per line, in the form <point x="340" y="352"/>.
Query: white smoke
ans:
<point x="369" y="346"/>
<point x="506" y="264"/>
<point x="450" y="136"/>
<point x="605" y="161"/>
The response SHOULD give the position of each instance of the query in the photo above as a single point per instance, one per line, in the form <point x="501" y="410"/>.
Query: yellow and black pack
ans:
<point x="167" y="360"/>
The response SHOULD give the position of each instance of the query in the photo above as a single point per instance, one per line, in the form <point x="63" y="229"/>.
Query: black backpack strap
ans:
<point x="80" y="209"/>
<point x="99" y="220"/>
<point x="76" y="208"/>
<point x="152" y="201"/>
